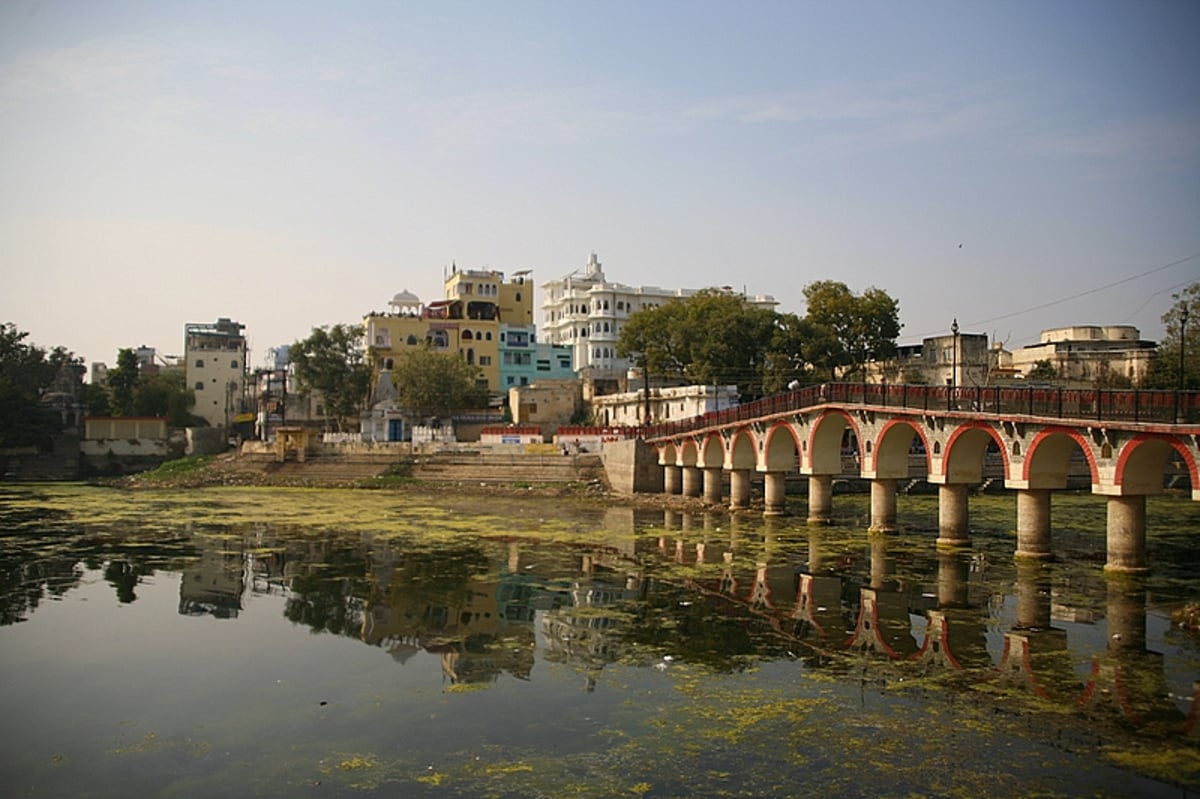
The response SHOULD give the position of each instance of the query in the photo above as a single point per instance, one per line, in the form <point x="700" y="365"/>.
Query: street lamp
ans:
<point x="954" y="355"/>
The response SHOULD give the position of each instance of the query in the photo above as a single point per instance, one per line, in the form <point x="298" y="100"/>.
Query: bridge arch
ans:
<point x="825" y="441"/>
<point x="780" y="448"/>
<point x="743" y="452"/>
<point x="963" y="454"/>
<point x="689" y="452"/>
<point x="1143" y="461"/>
<point x="1047" y="460"/>
<point x="668" y="454"/>
<point x="712" y="451"/>
<point x="893" y="446"/>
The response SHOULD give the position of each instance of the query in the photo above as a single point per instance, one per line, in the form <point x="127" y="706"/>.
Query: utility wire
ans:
<point x="1086" y="293"/>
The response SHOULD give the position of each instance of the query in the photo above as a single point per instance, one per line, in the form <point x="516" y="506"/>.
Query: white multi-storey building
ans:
<point x="585" y="312"/>
<point x="215" y="355"/>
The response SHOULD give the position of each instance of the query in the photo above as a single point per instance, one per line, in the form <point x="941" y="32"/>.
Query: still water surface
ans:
<point x="238" y="642"/>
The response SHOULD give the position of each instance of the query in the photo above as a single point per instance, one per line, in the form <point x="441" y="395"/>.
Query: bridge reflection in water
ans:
<point x="1127" y="444"/>
<point x="829" y="614"/>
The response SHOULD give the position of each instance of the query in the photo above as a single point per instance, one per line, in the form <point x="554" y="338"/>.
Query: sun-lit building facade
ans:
<point x="585" y="311"/>
<point x="483" y="317"/>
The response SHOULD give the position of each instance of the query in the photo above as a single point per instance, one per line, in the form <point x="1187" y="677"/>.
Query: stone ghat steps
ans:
<point x="508" y="468"/>
<point x="435" y="468"/>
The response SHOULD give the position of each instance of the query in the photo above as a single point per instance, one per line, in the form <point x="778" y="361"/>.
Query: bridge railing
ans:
<point x="1092" y="404"/>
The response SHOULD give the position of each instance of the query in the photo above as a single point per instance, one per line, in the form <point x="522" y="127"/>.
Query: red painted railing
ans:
<point x="1098" y="405"/>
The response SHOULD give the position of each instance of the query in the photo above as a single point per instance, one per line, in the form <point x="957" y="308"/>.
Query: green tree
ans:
<point x="165" y="393"/>
<point x="796" y="347"/>
<point x="121" y="383"/>
<point x="865" y="326"/>
<point x="711" y="338"/>
<point x="1181" y="338"/>
<point x="715" y="337"/>
<point x="25" y="372"/>
<point x="656" y="340"/>
<point x="330" y="362"/>
<point x="435" y="384"/>
<point x="1042" y="370"/>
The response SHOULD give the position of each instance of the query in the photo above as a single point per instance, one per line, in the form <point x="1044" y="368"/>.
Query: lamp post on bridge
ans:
<point x="954" y="358"/>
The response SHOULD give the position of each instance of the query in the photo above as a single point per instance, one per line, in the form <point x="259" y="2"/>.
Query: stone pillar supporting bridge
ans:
<point x="1125" y="439"/>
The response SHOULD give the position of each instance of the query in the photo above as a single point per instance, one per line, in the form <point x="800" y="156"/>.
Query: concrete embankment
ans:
<point x="359" y="469"/>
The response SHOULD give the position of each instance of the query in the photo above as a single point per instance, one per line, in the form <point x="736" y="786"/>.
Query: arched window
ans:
<point x="467" y="335"/>
<point x="388" y="363"/>
<point x="471" y="356"/>
<point x="488" y="335"/>
<point x="412" y="340"/>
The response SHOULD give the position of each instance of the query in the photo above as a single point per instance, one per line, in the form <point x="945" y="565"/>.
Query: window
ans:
<point x="485" y="360"/>
<point x="467" y="336"/>
<point x="412" y="340"/>
<point x="199" y="385"/>
<point x="199" y="363"/>
<point x="233" y="364"/>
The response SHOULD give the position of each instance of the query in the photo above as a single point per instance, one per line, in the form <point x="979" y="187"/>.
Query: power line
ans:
<point x="1086" y="293"/>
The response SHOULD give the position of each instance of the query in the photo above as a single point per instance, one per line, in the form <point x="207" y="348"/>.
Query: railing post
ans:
<point x="1060" y="403"/>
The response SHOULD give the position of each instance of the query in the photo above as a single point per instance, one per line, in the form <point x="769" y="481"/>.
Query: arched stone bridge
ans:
<point x="1126" y="439"/>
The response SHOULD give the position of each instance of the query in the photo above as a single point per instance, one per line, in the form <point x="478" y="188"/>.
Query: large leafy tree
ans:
<point x="865" y="325"/>
<point x="717" y="337"/>
<point x="165" y="394"/>
<point x="712" y="338"/>
<point x="1182" y="338"/>
<point x="436" y="384"/>
<point x="796" y="348"/>
<point x="330" y="362"/>
<point x="26" y="371"/>
<point x="122" y="380"/>
<point x="656" y="339"/>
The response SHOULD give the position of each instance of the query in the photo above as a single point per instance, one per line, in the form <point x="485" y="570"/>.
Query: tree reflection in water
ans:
<point x="1083" y="663"/>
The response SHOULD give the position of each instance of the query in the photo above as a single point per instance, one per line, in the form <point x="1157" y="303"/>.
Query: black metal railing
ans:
<point x="1080" y="404"/>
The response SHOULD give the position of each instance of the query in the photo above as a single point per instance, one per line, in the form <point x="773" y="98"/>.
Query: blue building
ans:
<point x="524" y="360"/>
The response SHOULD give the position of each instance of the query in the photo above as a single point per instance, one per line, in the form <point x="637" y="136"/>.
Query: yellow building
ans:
<point x="467" y="322"/>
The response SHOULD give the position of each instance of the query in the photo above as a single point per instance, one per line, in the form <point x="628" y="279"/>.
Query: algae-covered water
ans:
<point x="286" y="642"/>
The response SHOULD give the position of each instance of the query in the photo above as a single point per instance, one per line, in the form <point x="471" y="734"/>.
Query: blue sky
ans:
<point x="293" y="164"/>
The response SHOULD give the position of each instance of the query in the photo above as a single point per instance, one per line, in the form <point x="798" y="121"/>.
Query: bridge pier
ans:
<point x="952" y="515"/>
<point x="1033" y="596"/>
<point x="1033" y="523"/>
<point x="672" y="479"/>
<point x="739" y="489"/>
<point x="954" y="573"/>
<point x="774" y="493"/>
<point x="712" y="486"/>
<point x="1126" y="534"/>
<point x="820" y="498"/>
<point x="883" y="505"/>
<point x="692" y="477"/>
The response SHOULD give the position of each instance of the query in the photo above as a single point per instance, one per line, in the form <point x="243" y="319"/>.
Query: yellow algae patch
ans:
<point x="433" y="778"/>
<point x="356" y="762"/>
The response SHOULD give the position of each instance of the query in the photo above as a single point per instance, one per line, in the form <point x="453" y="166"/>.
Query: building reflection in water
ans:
<point x="486" y="607"/>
